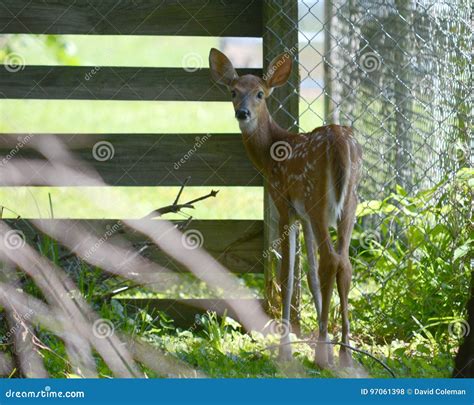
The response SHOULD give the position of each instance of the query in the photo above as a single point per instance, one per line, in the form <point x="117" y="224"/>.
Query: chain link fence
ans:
<point x="399" y="73"/>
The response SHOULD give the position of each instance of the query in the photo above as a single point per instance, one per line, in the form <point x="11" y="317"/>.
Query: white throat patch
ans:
<point x="248" y="126"/>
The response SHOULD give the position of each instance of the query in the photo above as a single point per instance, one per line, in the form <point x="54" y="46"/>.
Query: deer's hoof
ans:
<point x="345" y="359"/>
<point x="321" y="356"/>
<point x="285" y="354"/>
<point x="324" y="356"/>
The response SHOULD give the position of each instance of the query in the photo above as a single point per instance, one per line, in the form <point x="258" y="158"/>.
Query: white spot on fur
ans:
<point x="335" y="207"/>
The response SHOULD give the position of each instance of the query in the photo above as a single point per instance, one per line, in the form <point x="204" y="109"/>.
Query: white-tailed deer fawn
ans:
<point x="312" y="178"/>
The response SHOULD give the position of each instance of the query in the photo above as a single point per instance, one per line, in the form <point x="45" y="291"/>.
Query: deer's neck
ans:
<point x="259" y="136"/>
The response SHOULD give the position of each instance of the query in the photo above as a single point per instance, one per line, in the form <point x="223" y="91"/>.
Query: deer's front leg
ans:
<point x="287" y="235"/>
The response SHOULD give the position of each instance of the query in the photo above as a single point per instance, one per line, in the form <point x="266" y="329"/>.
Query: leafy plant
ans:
<point x="414" y="267"/>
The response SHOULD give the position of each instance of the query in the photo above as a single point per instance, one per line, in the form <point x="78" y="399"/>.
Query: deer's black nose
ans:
<point x="242" y="114"/>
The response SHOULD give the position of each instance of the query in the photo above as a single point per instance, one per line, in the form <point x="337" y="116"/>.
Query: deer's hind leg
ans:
<point x="344" y="272"/>
<point x="328" y="265"/>
<point x="313" y="277"/>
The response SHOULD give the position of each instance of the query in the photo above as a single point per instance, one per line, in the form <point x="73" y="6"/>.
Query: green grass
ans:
<point x="220" y="349"/>
<point x="404" y="320"/>
<point x="110" y="50"/>
<point x="92" y="116"/>
<point x="129" y="202"/>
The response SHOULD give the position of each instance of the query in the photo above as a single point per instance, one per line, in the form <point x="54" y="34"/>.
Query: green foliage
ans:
<point x="46" y="48"/>
<point x="412" y="274"/>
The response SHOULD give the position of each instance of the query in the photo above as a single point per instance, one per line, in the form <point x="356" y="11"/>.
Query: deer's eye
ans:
<point x="260" y="94"/>
<point x="233" y="93"/>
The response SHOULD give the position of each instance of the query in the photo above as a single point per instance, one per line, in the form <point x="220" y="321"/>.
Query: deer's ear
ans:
<point x="222" y="70"/>
<point x="279" y="70"/>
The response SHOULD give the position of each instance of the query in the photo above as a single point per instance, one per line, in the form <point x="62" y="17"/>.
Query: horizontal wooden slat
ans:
<point x="146" y="159"/>
<point x="184" y="311"/>
<point x="112" y="83"/>
<point x="133" y="17"/>
<point x="237" y="244"/>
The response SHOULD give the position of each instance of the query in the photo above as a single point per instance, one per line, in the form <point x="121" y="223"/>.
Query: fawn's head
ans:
<point x="249" y="92"/>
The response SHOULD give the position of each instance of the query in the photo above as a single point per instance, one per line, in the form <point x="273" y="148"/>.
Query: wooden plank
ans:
<point x="184" y="311"/>
<point x="236" y="244"/>
<point x="280" y="35"/>
<point x="132" y="17"/>
<point x="145" y="159"/>
<point x="111" y="83"/>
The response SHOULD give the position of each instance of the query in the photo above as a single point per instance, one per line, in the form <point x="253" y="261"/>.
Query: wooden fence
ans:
<point x="146" y="158"/>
